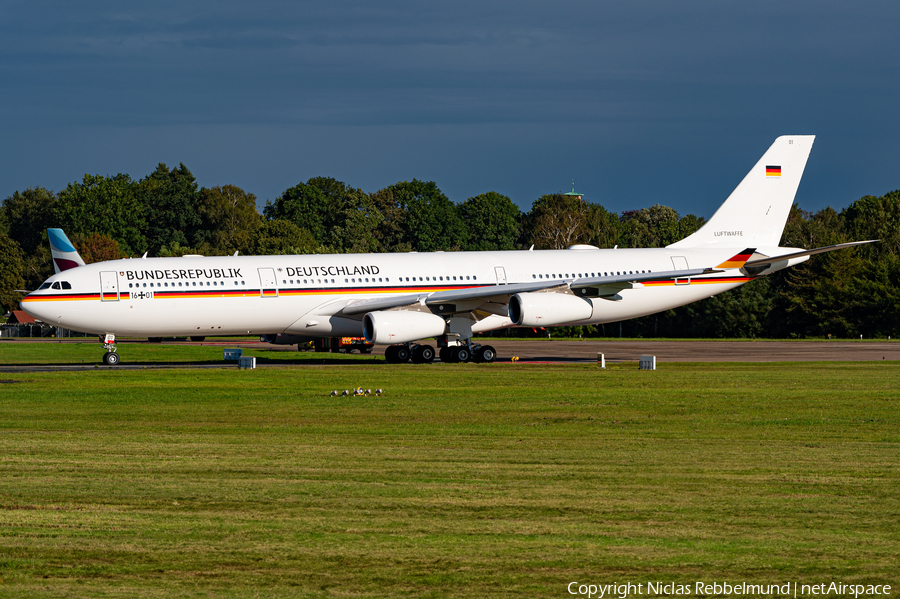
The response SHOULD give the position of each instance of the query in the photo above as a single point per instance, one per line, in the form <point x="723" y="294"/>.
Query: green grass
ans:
<point x="461" y="481"/>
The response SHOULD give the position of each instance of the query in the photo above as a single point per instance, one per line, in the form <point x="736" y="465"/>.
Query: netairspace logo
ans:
<point x="725" y="589"/>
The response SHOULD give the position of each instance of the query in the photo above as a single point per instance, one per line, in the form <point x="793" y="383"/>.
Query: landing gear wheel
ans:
<point x="485" y="354"/>
<point x="444" y="354"/>
<point x="423" y="354"/>
<point x="460" y="353"/>
<point x="427" y="353"/>
<point x="390" y="354"/>
<point x="110" y="358"/>
<point x="196" y="339"/>
<point x="397" y="354"/>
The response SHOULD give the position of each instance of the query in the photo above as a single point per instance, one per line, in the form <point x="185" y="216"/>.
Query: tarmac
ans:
<point x="556" y="351"/>
<point x="684" y="350"/>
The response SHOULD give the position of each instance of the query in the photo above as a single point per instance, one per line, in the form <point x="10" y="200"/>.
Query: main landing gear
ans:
<point x="399" y="354"/>
<point x="424" y="354"/>
<point x="110" y="358"/>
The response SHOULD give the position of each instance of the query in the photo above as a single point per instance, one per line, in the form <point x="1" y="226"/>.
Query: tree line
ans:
<point x="844" y="294"/>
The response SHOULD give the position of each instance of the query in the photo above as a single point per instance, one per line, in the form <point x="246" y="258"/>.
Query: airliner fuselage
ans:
<point x="304" y="294"/>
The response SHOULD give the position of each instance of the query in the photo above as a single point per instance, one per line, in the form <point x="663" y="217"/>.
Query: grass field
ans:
<point x="460" y="481"/>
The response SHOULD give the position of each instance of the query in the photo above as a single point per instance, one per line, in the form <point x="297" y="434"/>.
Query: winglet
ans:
<point x="65" y="256"/>
<point x="738" y="260"/>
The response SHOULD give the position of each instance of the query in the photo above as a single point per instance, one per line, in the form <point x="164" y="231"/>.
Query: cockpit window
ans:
<point x="56" y="285"/>
<point x="66" y="285"/>
<point x="44" y="286"/>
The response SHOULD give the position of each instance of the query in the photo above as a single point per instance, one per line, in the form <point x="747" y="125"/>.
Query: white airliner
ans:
<point x="400" y="299"/>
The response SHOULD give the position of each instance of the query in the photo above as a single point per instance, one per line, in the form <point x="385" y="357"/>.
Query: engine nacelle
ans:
<point x="386" y="328"/>
<point x="548" y="309"/>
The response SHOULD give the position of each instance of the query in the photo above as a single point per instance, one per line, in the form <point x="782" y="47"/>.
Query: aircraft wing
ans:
<point x="613" y="284"/>
<point x="382" y="303"/>
<point x="501" y="293"/>
<point x="452" y="295"/>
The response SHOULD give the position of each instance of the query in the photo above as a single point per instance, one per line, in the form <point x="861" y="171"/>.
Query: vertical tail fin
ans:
<point x="756" y="211"/>
<point x="65" y="256"/>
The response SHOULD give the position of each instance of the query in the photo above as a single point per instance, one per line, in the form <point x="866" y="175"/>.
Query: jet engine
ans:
<point x="386" y="328"/>
<point x="548" y="309"/>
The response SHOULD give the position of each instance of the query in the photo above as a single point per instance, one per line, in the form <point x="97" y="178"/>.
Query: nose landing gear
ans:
<point x="110" y="358"/>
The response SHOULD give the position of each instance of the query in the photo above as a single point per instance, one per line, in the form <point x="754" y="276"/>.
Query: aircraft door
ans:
<point x="109" y="286"/>
<point x="501" y="275"/>
<point x="681" y="263"/>
<point x="268" y="283"/>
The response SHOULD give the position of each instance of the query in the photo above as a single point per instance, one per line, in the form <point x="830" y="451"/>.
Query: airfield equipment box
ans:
<point x="233" y="354"/>
<point x="648" y="363"/>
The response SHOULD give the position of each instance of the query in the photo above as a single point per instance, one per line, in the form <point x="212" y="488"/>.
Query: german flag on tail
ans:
<point x="738" y="260"/>
<point x="773" y="171"/>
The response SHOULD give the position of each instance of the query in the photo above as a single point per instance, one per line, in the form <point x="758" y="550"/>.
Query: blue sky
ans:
<point x="639" y="102"/>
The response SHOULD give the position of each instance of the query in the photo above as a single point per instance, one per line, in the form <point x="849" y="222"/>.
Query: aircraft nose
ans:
<point x="36" y="309"/>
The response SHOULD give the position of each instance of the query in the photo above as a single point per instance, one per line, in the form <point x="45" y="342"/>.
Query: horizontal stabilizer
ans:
<point x="822" y="250"/>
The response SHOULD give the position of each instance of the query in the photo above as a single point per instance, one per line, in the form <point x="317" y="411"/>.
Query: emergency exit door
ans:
<point x="681" y="263"/>
<point x="268" y="284"/>
<point x="109" y="286"/>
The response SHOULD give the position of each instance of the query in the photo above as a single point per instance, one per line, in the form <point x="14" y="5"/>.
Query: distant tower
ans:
<point x="573" y="193"/>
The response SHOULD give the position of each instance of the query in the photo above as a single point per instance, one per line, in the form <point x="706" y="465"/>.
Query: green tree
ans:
<point x="391" y="231"/>
<point x="491" y="221"/>
<point x="418" y="216"/>
<point x="338" y="216"/>
<point x="873" y="217"/>
<point x="108" y="206"/>
<point x="557" y="221"/>
<point x="602" y="227"/>
<point x="170" y="198"/>
<point x="27" y="215"/>
<point x="228" y="219"/>
<point x="12" y="269"/>
<point x="656" y="226"/>
<point x="304" y="205"/>
<point x="281" y="237"/>
<point x="95" y="247"/>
